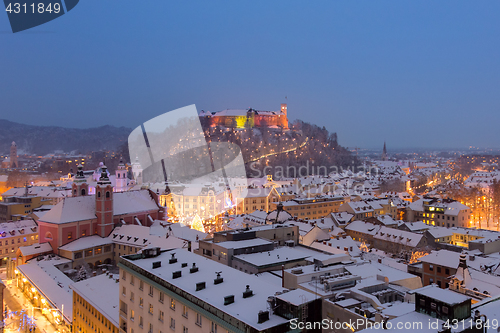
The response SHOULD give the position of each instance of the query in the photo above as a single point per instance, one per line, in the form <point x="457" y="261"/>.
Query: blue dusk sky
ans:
<point x="412" y="73"/>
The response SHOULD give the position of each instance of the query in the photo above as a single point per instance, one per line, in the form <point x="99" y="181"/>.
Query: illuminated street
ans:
<point x="20" y="310"/>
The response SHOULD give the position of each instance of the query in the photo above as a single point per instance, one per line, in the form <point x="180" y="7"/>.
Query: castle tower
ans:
<point x="384" y="153"/>
<point x="104" y="204"/>
<point x="80" y="186"/>
<point x="284" y="109"/>
<point x="121" y="177"/>
<point x="13" y="155"/>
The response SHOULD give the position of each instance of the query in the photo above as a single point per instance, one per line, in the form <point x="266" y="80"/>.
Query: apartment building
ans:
<point x="261" y="198"/>
<point x="95" y="304"/>
<point x="312" y="208"/>
<point x="14" y="235"/>
<point x="178" y="291"/>
<point x="18" y="207"/>
<point x="439" y="212"/>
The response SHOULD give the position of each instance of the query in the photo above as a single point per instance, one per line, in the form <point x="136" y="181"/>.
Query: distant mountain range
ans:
<point x="42" y="140"/>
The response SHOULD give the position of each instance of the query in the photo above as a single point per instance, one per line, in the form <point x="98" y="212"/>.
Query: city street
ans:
<point x="20" y="311"/>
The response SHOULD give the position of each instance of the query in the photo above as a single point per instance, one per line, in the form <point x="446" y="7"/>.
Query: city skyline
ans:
<point x="414" y="75"/>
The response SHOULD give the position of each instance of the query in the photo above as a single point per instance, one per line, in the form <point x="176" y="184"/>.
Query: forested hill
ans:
<point x="41" y="140"/>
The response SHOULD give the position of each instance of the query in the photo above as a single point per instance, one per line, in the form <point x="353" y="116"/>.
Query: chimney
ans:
<point x="283" y="276"/>
<point x="463" y="261"/>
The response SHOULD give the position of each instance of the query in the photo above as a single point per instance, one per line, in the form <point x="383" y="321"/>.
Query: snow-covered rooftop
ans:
<point x="297" y="297"/>
<point x="444" y="295"/>
<point x="102" y="292"/>
<point x="82" y="208"/>
<point x="235" y="282"/>
<point x="242" y="244"/>
<point x="86" y="242"/>
<point x="276" y="256"/>
<point x="35" y="249"/>
<point x="53" y="284"/>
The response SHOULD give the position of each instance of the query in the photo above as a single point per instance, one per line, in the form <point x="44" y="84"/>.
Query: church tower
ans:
<point x="384" y="153"/>
<point x="137" y="171"/>
<point x="13" y="155"/>
<point x="104" y="204"/>
<point x="121" y="177"/>
<point x="80" y="186"/>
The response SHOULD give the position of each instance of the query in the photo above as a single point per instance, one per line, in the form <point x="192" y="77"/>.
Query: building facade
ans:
<point x="246" y="118"/>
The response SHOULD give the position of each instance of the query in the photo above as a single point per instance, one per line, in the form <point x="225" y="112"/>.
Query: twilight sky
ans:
<point x="413" y="73"/>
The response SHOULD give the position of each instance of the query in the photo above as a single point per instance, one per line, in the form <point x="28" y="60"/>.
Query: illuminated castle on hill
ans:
<point x="245" y="118"/>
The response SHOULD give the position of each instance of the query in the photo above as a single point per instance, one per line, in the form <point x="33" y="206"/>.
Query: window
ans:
<point x="198" y="319"/>
<point x="439" y="269"/>
<point x="447" y="271"/>
<point x="141" y="285"/>
<point x="184" y="329"/>
<point x="78" y="255"/>
<point x="151" y="291"/>
<point x="107" y="194"/>
<point x="124" y="291"/>
<point x="172" y="323"/>
<point x="141" y="321"/>
<point x="97" y="251"/>
<point x="131" y="279"/>
<point x="70" y="235"/>
<point x="132" y="315"/>
<point x="214" y="328"/>
<point x="445" y="309"/>
<point x="185" y="311"/>
<point x="124" y="276"/>
<point x="431" y="280"/>
<point x="131" y="296"/>
<point x="161" y="297"/>
<point x="141" y="302"/>
<point x="431" y="267"/>
<point x="161" y="315"/>
<point x="172" y="304"/>
<point x="150" y="308"/>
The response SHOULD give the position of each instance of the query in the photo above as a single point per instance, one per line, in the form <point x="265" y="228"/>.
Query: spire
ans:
<point x="104" y="179"/>
<point x="384" y="153"/>
<point x="80" y="177"/>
